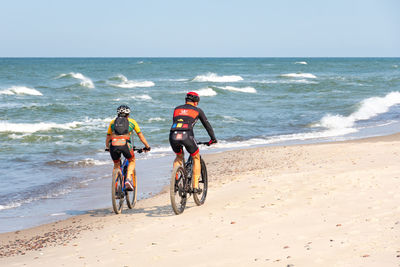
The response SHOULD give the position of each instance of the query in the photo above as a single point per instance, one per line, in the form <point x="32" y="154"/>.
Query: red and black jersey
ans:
<point x="186" y="116"/>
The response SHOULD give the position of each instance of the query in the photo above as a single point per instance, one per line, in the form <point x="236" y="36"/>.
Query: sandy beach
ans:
<point x="331" y="204"/>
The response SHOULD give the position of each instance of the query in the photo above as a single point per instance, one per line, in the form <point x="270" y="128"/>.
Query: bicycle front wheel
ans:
<point x="200" y="198"/>
<point x="131" y="196"/>
<point x="177" y="191"/>
<point x="117" y="194"/>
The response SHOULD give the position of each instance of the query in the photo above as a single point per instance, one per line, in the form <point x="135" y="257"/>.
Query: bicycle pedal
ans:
<point x="197" y="190"/>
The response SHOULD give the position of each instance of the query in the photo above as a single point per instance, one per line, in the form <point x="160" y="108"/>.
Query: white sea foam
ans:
<point x="287" y="81"/>
<point x="301" y="62"/>
<point x="156" y="119"/>
<point x="230" y="119"/>
<point x="212" y="77"/>
<point x="10" y="206"/>
<point x="58" y="214"/>
<point x="125" y="83"/>
<point x="91" y="162"/>
<point x="33" y="127"/>
<point x="178" y="80"/>
<point x="282" y="138"/>
<point x="18" y="203"/>
<point x="239" y="89"/>
<point x="142" y="97"/>
<point x="336" y="126"/>
<point x="15" y="136"/>
<point x="330" y="133"/>
<point x="206" y="92"/>
<point x="6" y="126"/>
<point x="85" y="81"/>
<point x="299" y="75"/>
<point x="277" y="139"/>
<point x="369" y="108"/>
<point x="20" y="90"/>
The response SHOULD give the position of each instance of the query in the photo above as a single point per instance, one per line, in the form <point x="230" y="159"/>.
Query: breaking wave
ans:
<point x="230" y="119"/>
<point x="301" y="62"/>
<point x="369" y="108"/>
<point x="6" y="126"/>
<point x="125" y="83"/>
<point x="33" y="127"/>
<point x="212" y="77"/>
<point x="238" y="89"/>
<point x="77" y="164"/>
<point x="299" y="75"/>
<point x="142" y="97"/>
<point x="206" y="92"/>
<point x="85" y="81"/>
<point x="37" y="193"/>
<point x="287" y="81"/>
<point x="20" y="90"/>
<point x="156" y="119"/>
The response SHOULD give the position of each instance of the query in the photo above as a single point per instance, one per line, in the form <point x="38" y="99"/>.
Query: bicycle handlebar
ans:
<point x="203" y="143"/>
<point x="138" y="150"/>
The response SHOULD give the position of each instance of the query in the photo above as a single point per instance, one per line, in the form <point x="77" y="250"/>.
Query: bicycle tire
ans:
<point x="200" y="198"/>
<point x="117" y="195"/>
<point x="177" y="191"/>
<point x="132" y="195"/>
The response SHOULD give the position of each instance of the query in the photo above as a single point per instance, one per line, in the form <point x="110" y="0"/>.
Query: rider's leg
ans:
<point x="130" y="171"/>
<point x="130" y="156"/>
<point x="179" y="159"/>
<point x="196" y="170"/>
<point x="116" y="157"/>
<point x="176" y="146"/>
<point x="117" y="165"/>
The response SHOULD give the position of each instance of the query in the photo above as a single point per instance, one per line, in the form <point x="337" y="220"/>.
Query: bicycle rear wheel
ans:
<point x="117" y="194"/>
<point x="200" y="198"/>
<point x="131" y="196"/>
<point x="177" y="191"/>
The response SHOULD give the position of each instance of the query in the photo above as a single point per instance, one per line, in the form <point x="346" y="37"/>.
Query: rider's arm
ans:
<point x="108" y="139"/>
<point x="206" y="124"/>
<point x="139" y="133"/>
<point x="141" y="137"/>
<point x="109" y="132"/>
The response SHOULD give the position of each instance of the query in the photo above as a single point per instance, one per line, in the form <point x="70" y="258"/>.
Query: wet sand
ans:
<point x="333" y="204"/>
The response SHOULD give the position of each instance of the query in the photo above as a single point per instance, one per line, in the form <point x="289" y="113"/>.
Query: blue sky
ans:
<point x="219" y="28"/>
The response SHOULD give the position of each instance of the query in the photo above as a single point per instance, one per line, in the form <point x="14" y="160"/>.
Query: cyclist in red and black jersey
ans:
<point x="181" y="134"/>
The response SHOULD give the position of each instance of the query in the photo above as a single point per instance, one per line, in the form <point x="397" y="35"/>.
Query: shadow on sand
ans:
<point x="154" y="211"/>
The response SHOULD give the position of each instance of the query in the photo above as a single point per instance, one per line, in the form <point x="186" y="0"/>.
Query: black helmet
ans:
<point x="192" y="97"/>
<point x="123" y="110"/>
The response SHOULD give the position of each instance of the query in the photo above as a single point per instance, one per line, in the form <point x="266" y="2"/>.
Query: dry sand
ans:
<point x="334" y="204"/>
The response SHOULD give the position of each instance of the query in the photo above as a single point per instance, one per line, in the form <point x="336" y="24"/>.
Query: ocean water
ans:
<point x="54" y="113"/>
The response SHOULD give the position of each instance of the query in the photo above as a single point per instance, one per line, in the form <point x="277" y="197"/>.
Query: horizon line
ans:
<point x="227" y="57"/>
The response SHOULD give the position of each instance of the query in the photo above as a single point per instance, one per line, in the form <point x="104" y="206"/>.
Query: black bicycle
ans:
<point x="181" y="184"/>
<point x="119" y="193"/>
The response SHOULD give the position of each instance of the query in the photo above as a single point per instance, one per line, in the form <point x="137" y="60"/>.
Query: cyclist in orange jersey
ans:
<point x="118" y="141"/>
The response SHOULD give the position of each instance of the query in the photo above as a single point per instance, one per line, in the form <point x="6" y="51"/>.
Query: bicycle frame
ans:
<point x="124" y="169"/>
<point x="188" y="166"/>
<point x="181" y="185"/>
<point x="125" y="164"/>
<point x="118" y="188"/>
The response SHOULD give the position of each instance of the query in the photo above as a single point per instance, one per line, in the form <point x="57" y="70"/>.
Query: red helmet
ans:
<point x="192" y="97"/>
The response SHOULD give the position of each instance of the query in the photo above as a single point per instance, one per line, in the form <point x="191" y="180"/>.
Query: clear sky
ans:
<point x="188" y="28"/>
